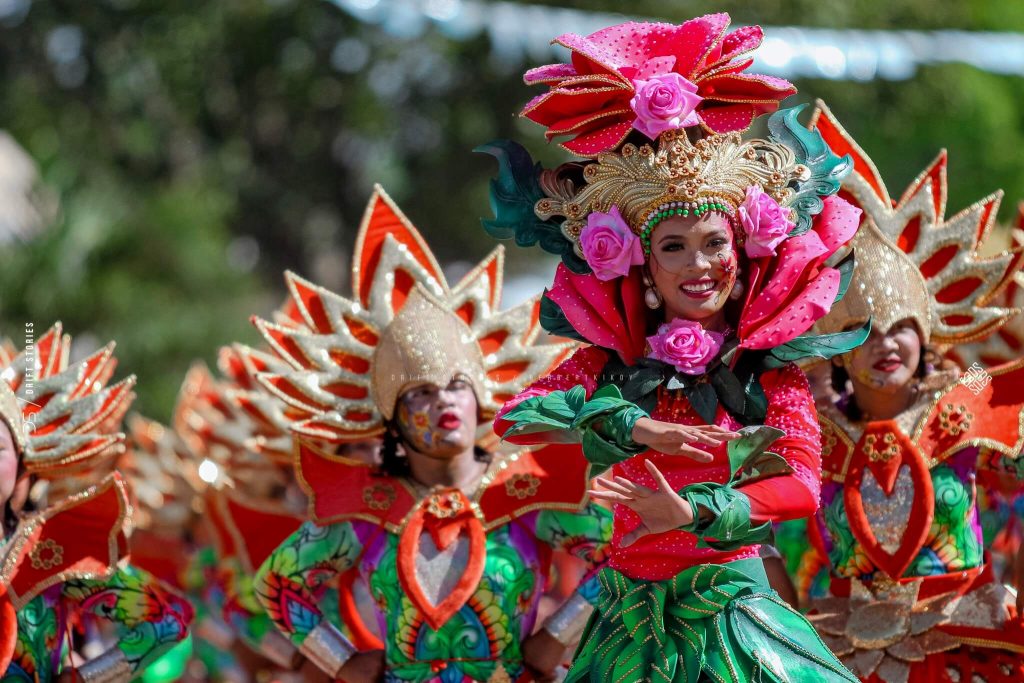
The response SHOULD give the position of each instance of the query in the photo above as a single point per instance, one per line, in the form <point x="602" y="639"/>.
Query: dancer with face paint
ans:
<point x="693" y="266"/>
<point x="912" y="595"/>
<point x="453" y="542"/>
<point x="64" y="565"/>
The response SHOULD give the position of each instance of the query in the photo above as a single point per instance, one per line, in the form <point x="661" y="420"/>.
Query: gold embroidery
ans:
<point x="379" y="496"/>
<point x="522" y="486"/>
<point x="886" y="454"/>
<point x="445" y="505"/>
<point x="47" y="554"/>
<point x="954" y="420"/>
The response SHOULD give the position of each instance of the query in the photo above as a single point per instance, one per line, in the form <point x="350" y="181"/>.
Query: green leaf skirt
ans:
<point x="712" y="622"/>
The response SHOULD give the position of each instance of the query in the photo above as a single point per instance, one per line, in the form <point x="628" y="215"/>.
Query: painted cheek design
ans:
<point x="417" y="423"/>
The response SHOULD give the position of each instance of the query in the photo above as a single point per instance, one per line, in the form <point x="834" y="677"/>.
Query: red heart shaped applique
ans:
<point x="889" y="497"/>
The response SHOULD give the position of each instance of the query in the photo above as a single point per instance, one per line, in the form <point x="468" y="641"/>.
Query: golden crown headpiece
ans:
<point x="684" y="175"/>
<point x="349" y="359"/>
<point x="70" y="418"/>
<point x="912" y="261"/>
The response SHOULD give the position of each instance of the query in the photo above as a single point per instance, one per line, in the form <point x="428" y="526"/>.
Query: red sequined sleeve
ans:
<point x="581" y="368"/>
<point x="791" y="409"/>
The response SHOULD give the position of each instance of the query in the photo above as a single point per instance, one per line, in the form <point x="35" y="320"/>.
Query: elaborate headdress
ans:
<point x="659" y="108"/>
<point x="350" y="359"/>
<point x="593" y="98"/>
<point x="913" y="262"/>
<point x="1007" y="343"/>
<point x="69" y="418"/>
<point x="162" y="472"/>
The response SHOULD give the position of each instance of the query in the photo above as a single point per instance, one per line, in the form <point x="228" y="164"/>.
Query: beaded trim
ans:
<point x="684" y="209"/>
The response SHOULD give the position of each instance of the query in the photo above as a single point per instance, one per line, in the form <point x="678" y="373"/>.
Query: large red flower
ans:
<point x="589" y="98"/>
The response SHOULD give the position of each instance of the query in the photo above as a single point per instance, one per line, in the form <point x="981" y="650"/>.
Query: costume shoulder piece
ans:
<point x="983" y="409"/>
<point x="257" y="528"/>
<point x="83" y="537"/>
<point x="547" y="478"/>
<point x="340" y="489"/>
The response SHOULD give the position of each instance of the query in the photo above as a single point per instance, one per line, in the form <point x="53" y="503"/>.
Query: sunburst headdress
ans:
<point x="64" y="417"/>
<point x="912" y="261"/>
<point x="349" y="360"/>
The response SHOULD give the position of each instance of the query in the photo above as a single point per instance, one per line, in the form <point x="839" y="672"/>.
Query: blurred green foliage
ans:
<point x="199" y="148"/>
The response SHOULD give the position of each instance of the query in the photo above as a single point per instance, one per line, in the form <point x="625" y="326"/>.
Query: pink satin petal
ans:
<point x="837" y="223"/>
<point x="632" y="43"/>
<point x="744" y="87"/>
<point x="728" y="118"/>
<point x="610" y="314"/>
<point x="560" y="108"/>
<point x="696" y="39"/>
<point x="740" y="42"/>
<point x="654" y="67"/>
<point x="786" y="275"/>
<point x="593" y="143"/>
<point x="548" y="73"/>
<point x="811" y="305"/>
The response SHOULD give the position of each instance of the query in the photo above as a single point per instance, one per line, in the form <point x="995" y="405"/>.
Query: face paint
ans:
<point x="728" y="265"/>
<point x="415" y="425"/>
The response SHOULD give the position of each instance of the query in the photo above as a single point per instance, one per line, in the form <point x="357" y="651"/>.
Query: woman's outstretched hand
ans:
<point x="660" y="509"/>
<point x="675" y="439"/>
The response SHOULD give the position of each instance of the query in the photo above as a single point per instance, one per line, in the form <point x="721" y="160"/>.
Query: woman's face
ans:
<point x="439" y="422"/>
<point x="886" y="362"/>
<point x="8" y="463"/>
<point x="693" y="264"/>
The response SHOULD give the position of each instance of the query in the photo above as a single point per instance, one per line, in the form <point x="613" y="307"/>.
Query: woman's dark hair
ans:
<point x="930" y="359"/>
<point x="394" y="464"/>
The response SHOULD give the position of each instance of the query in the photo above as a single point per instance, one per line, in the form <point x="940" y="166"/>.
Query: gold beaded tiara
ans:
<point x="687" y="177"/>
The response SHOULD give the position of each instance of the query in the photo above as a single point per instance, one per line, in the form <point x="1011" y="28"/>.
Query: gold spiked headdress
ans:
<point x="71" y="417"/>
<point x="349" y="359"/>
<point x="1007" y="343"/>
<point x="913" y="262"/>
<point x="715" y="171"/>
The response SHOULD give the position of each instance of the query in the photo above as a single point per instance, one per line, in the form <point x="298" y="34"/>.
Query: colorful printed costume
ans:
<point x="456" y="577"/>
<point x="913" y="596"/>
<point x="691" y="604"/>
<point x="67" y="562"/>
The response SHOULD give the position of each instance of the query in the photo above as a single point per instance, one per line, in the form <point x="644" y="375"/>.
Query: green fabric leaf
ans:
<point x="753" y="441"/>
<point x="729" y="389"/>
<point x="553" y="320"/>
<point x="822" y="346"/>
<point x="826" y="170"/>
<point x="845" y="268"/>
<point x="514" y="193"/>
<point x="704" y="400"/>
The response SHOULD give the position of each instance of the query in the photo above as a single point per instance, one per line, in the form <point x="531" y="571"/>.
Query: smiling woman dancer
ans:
<point x="724" y="240"/>
<point x="452" y="541"/>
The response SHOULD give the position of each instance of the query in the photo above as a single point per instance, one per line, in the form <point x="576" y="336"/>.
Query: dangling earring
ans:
<point x="652" y="297"/>
<point x="737" y="291"/>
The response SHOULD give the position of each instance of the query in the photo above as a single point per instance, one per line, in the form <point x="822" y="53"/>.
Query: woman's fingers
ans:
<point x="613" y="486"/>
<point x="634" y="535"/>
<point x="659" y="477"/>
<point x="701" y="437"/>
<point x="609" y="495"/>
<point x="694" y="453"/>
<point x="638" y="490"/>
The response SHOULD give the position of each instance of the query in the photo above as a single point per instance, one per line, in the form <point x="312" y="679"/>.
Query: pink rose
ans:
<point x="609" y="246"/>
<point x="685" y="345"/>
<point x="663" y="103"/>
<point x="765" y="222"/>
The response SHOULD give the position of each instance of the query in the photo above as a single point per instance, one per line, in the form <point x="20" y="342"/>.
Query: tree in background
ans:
<point x="199" y="148"/>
